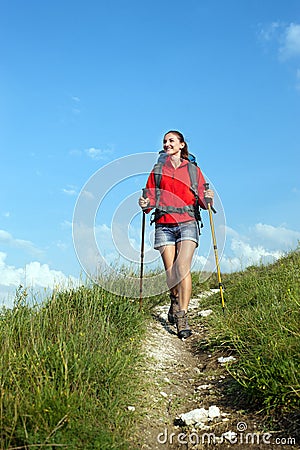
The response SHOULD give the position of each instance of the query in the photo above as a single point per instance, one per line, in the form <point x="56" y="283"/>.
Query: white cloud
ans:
<point x="94" y="153"/>
<point x="256" y="254"/>
<point x="9" y="275"/>
<point x="66" y="224"/>
<point x="259" y="244"/>
<point x="286" y="39"/>
<point x="290" y="46"/>
<point x="70" y="190"/>
<point x="98" y="154"/>
<point x="276" y="237"/>
<point x="76" y="101"/>
<point x="8" y="239"/>
<point x="88" y="195"/>
<point x="270" y="31"/>
<point x="37" y="274"/>
<point x="61" y="245"/>
<point x="34" y="274"/>
<point x="230" y="232"/>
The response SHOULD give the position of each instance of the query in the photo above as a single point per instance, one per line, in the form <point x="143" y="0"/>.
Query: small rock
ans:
<point x="205" y="294"/>
<point x="224" y="360"/>
<point x="163" y="394"/>
<point x="195" y="416"/>
<point x="131" y="408"/>
<point x="193" y="303"/>
<point x="213" y="412"/>
<point x="205" y="312"/>
<point x="202" y="426"/>
<point x="164" y="316"/>
<point x="204" y="386"/>
<point x="167" y="380"/>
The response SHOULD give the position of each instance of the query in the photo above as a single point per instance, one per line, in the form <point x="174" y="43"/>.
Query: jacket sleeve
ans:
<point x="150" y="192"/>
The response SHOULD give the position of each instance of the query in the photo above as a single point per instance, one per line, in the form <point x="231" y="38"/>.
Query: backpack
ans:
<point x="192" y="210"/>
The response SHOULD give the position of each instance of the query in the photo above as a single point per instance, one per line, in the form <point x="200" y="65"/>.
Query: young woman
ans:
<point x="176" y="228"/>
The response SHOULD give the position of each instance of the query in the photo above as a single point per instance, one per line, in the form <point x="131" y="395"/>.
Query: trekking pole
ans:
<point x="210" y="209"/>
<point x="142" y="252"/>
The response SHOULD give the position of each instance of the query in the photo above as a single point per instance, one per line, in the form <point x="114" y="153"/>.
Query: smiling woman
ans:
<point x="176" y="201"/>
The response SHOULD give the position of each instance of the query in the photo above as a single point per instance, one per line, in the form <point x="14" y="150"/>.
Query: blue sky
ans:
<point x="85" y="84"/>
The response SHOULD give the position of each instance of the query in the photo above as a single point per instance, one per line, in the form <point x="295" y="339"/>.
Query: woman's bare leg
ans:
<point x="168" y="254"/>
<point x="177" y="262"/>
<point x="182" y="272"/>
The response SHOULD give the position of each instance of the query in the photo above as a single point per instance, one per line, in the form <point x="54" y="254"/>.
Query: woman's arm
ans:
<point x="202" y="193"/>
<point x="148" y="200"/>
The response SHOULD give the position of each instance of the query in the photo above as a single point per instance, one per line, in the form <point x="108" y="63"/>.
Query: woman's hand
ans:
<point x="144" y="202"/>
<point x="209" y="195"/>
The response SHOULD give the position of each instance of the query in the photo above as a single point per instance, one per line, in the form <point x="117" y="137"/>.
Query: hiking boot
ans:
<point x="183" y="328"/>
<point x="174" y="308"/>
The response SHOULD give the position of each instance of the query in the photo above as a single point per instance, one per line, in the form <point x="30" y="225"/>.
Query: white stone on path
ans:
<point x="205" y="312"/>
<point x="163" y="394"/>
<point x="195" y="416"/>
<point x="226" y="359"/>
<point x="213" y="412"/>
<point x="204" y="387"/>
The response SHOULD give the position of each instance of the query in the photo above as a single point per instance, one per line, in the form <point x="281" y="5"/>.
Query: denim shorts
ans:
<point x="172" y="234"/>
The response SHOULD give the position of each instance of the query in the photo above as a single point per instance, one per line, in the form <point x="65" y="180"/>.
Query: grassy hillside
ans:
<point x="71" y="367"/>
<point x="69" y="370"/>
<point x="261" y="327"/>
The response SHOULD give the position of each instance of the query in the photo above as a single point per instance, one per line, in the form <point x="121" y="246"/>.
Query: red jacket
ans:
<point x="175" y="191"/>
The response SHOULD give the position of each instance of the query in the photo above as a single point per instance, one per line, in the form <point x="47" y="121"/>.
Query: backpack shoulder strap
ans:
<point x="157" y="171"/>
<point x="193" y="173"/>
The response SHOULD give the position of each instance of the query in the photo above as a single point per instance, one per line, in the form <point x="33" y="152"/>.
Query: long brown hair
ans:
<point x="184" y="150"/>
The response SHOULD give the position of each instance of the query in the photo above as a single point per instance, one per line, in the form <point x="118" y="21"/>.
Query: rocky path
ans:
<point x="187" y="407"/>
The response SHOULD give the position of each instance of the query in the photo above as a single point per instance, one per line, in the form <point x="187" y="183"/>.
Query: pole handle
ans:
<point x="209" y="200"/>
<point x="144" y="195"/>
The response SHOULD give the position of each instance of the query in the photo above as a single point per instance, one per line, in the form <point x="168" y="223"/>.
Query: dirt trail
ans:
<point x="182" y="378"/>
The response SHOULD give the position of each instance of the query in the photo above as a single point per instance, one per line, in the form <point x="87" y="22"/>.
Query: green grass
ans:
<point x="261" y="327"/>
<point x="69" y="369"/>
